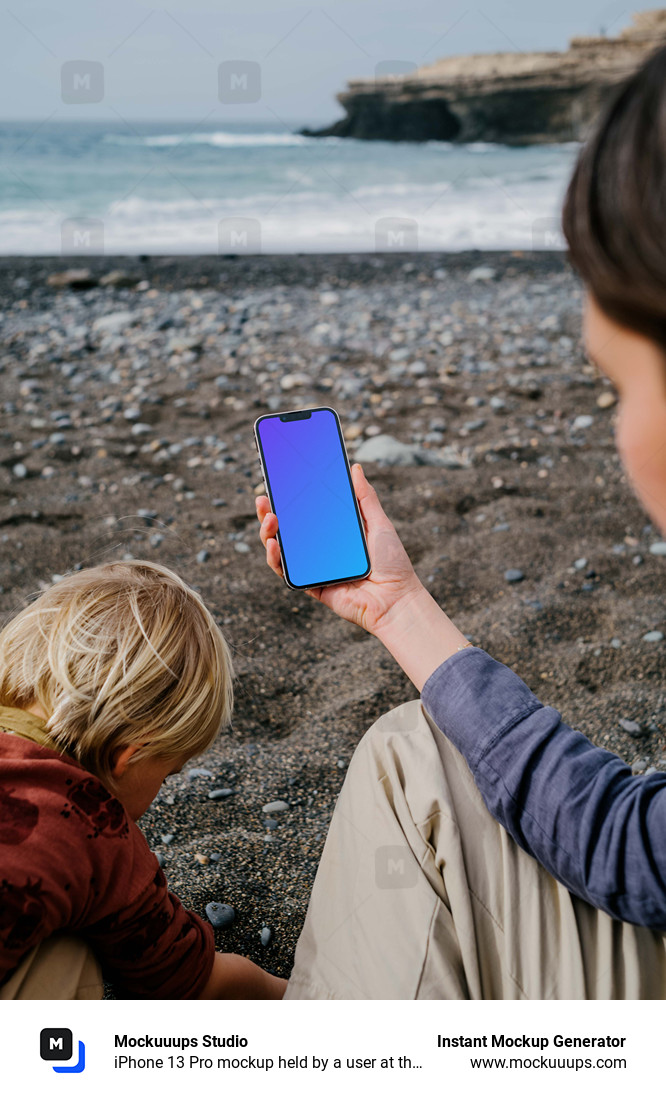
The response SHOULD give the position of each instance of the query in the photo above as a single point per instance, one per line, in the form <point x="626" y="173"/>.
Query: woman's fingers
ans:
<point x="371" y="510"/>
<point x="267" y="519"/>
<point x="273" y="556"/>
<point x="263" y="505"/>
<point x="269" y="526"/>
<point x="267" y="533"/>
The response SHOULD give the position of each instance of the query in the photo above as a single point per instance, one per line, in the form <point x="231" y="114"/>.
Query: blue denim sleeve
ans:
<point x="577" y="808"/>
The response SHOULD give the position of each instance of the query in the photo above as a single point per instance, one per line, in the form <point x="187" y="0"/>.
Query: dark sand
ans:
<point x="309" y="684"/>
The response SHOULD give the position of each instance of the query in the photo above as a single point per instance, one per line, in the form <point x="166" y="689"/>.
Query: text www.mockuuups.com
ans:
<point x="542" y="1061"/>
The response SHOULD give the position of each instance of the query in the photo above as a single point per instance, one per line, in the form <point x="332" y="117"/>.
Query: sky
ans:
<point x="160" y="59"/>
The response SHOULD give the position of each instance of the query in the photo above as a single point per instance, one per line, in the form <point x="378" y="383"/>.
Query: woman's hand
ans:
<point x="391" y="602"/>
<point x="392" y="582"/>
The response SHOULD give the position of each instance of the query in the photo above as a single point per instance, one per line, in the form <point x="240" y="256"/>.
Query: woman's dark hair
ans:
<point x="614" y="215"/>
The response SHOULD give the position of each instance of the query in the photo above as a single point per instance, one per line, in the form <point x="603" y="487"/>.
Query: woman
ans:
<point x="480" y="847"/>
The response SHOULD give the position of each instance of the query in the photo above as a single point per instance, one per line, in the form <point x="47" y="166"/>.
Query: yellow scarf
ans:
<point x="27" y="725"/>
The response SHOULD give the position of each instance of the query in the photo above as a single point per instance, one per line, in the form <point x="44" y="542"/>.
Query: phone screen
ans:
<point x="320" y="530"/>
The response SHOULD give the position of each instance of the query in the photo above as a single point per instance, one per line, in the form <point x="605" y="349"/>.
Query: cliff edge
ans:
<point x="511" y="98"/>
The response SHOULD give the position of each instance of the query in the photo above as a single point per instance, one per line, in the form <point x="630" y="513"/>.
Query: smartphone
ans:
<point x="308" y="481"/>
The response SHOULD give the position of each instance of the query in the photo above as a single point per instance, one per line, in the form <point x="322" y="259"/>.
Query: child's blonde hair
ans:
<point x="117" y="655"/>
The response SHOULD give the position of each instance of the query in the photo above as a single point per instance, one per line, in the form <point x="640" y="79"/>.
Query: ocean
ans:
<point x="163" y="188"/>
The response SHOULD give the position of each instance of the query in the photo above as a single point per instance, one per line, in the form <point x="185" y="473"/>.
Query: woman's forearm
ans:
<point x="419" y="635"/>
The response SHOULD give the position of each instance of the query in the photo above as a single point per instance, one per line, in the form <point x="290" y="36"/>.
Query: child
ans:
<point x="480" y="848"/>
<point x="109" y="681"/>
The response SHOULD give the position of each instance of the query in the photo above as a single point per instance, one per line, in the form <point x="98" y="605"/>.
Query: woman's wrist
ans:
<point x="419" y="635"/>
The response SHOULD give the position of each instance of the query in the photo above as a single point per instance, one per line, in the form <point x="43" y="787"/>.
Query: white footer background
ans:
<point x="342" y="1030"/>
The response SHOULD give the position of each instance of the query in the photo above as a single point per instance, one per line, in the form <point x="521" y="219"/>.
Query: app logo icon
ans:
<point x="56" y="1045"/>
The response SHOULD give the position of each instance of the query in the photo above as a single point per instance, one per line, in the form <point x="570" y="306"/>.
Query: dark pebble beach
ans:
<point x="129" y="390"/>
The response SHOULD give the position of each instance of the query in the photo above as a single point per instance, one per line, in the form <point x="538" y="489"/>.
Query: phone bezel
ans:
<point x="260" y="451"/>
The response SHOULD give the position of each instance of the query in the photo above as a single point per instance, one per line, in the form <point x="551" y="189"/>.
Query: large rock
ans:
<point x="513" y="98"/>
<point x="387" y="451"/>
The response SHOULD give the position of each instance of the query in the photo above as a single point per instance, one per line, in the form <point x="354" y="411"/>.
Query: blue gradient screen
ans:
<point x="307" y="474"/>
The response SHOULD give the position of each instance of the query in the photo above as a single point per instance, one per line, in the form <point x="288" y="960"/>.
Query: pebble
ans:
<point x="117" y="277"/>
<point x="291" y="381"/>
<point x="639" y="766"/>
<point x="241" y="547"/>
<point x="20" y="470"/>
<point x="606" y="400"/>
<point x="219" y="914"/>
<point x="166" y="838"/>
<point x="160" y="859"/>
<point x="265" y="936"/>
<point x="512" y="576"/>
<point x="220" y="792"/>
<point x="76" y="278"/>
<point x="113" y="323"/>
<point x="275" y="807"/>
<point x="481" y="274"/>
<point x="632" y="727"/>
<point x="203" y="556"/>
<point x="581" y="423"/>
<point x="580" y="563"/>
<point x="653" y="636"/>
<point x="199" y="773"/>
<point x="658" y="548"/>
<point x="271" y="823"/>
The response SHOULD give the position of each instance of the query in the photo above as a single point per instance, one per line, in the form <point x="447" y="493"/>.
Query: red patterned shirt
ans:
<point x="71" y="861"/>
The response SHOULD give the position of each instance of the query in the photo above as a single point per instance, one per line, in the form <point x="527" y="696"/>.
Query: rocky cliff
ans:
<point x="513" y="98"/>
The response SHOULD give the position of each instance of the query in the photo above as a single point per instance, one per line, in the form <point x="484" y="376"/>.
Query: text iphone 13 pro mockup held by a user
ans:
<point x="308" y="481"/>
